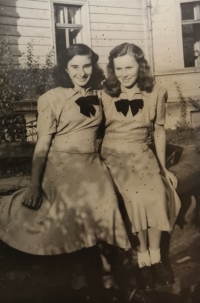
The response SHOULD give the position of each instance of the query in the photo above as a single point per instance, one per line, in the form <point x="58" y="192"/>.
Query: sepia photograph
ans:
<point x="99" y="151"/>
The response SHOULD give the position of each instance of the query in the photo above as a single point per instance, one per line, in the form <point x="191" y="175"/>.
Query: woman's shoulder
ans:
<point x="105" y="96"/>
<point x="158" y="96"/>
<point x="157" y="88"/>
<point x="107" y="100"/>
<point x="158" y="92"/>
<point x="54" y="98"/>
<point x="58" y="94"/>
<point x="53" y="92"/>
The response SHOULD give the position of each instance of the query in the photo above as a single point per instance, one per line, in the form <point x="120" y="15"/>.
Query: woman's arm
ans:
<point x="160" y="144"/>
<point x="32" y="198"/>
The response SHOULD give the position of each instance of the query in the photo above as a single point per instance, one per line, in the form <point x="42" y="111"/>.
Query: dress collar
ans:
<point x="72" y="91"/>
<point x="135" y="91"/>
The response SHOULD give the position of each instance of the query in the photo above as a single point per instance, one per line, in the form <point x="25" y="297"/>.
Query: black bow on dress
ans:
<point x="86" y="105"/>
<point x="123" y="106"/>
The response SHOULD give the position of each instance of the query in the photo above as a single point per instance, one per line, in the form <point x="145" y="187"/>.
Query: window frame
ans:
<point x="180" y="36"/>
<point x="85" y="18"/>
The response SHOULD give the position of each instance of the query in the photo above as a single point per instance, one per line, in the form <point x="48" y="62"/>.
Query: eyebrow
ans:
<point x="75" y="65"/>
<point x="125" y="66"/>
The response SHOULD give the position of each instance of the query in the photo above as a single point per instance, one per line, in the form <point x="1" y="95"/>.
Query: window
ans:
<point x="71" y="23"/>
<point x="190" y="15"/>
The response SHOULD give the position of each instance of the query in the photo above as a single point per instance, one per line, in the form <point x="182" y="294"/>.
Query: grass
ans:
<point x="185" y="137"/>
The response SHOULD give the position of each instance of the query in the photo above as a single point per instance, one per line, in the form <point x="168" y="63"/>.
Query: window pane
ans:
<point x="187" y="10"/>
<point x="59" y="14"/>
<point x="197" y="44"/>
<point x="73" y="14"/>
<point x="197" y="11"/>
<point x="60" y="40"/>
<point x="67" y="14"/>
<point x="188" y="45"/>
<point x="67" y="32"/>
<point x="73" y="36"/>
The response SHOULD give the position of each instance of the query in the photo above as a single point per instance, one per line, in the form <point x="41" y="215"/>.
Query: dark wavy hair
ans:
<point x="61" y="77"/>
<point x="145" y="81"/>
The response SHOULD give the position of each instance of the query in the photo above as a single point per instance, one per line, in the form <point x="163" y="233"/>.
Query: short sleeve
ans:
<point x="46" y="123"/>
<point x="105" y="98"/>
<point x="99" y="94"/>
<point x="161" y="106"/>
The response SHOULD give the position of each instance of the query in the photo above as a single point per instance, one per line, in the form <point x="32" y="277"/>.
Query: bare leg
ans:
<point x="108" y="280"/>
<point x="142" y="250"/>
<point x="154" y="236"/>
<point x="142" y="236"/>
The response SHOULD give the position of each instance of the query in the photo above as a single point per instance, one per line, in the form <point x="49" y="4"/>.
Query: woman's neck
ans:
<point x="130" y="91"/>
<point x="81" y="90"/>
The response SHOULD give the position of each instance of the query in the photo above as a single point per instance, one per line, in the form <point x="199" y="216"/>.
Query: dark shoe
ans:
<point x="160" y="274"/>
<point x="145" y="278"/>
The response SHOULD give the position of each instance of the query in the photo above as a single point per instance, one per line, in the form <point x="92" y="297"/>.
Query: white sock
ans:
<point x="154" y="255"/>
<point x="144" y="259"/>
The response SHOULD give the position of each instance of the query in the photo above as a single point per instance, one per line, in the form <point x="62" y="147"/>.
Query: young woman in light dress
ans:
<point x="70" y="203"/>
<point x="133" y="105"/>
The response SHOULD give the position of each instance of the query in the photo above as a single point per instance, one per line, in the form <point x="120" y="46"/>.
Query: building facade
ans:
<point x="167" y="31"/>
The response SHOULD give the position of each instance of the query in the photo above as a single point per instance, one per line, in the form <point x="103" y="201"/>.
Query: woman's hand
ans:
<point x="33" y="197"/>
<point x="171" y="178"/>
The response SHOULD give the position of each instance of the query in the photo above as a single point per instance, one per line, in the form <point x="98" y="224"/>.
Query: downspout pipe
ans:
<point x="150" y="30"/>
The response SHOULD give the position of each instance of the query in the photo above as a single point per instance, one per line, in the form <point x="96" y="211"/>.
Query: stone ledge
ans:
<point x="13" y="183"/>
<point x="25" y="105"/>
<point x="16" y="150"/>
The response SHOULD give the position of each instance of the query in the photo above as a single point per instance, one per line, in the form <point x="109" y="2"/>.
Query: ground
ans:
<point x="185" y="137"/>
<point x="29" y="279"/>
<point x="25" y="278"/>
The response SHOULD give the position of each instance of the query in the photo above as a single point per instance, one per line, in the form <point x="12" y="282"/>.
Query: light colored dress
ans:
<point x="132" y="164"/>
<point x="79" y="205"/>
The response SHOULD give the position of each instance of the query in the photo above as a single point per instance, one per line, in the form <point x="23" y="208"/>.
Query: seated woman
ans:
<point x="70" y="203"/>
<point x="132" y="104"/>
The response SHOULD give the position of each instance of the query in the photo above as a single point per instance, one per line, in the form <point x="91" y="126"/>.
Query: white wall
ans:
<point x="165" y="25"/>
<point x="111" y="22"/>
<point x="168" y="57"/>
<point x="116" y="22"/>
<point x="23" y="21"/>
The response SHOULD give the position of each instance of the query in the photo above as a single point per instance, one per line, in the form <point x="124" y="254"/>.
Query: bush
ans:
<point x="27" y="81"/>
<point x="195" y="104"/>
<point x="22" y="82"/>
<point x="182" y="125"/>
<point x="12" y="128"/>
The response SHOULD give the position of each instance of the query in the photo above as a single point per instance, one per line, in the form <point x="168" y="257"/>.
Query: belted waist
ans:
<point x="74" y="143"/>
<point x="124" y="147"/>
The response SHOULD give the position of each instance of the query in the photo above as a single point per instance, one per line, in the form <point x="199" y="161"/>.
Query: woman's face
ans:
<point x="126" y="70"/>
<point x="79" y="69"/>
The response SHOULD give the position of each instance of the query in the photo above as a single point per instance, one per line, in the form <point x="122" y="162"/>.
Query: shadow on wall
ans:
<point x="9" y="32"/>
